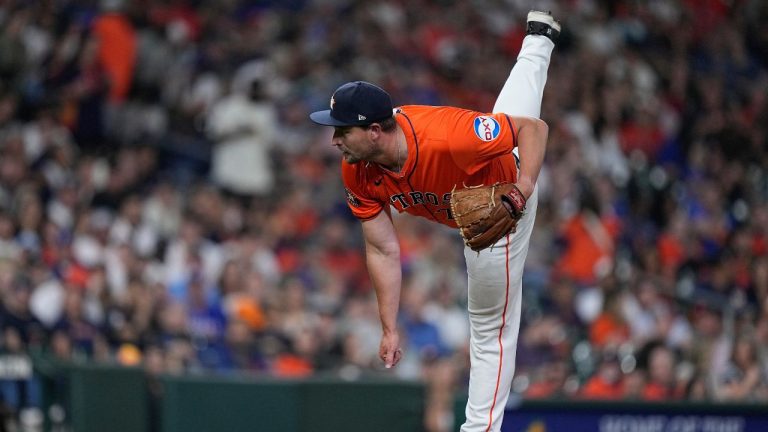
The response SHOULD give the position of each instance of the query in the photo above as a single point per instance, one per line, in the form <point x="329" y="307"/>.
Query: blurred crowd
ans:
<point x="165" y="202"/>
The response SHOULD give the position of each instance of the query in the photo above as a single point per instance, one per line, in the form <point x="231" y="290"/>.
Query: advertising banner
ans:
<point x="628" y="417"/>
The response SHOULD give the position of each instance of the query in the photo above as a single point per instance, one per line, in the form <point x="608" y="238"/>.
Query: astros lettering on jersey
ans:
<point x="471" y="148"/>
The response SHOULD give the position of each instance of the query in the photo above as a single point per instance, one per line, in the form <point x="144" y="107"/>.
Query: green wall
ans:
<point x="113" y="399"/>
<point x="107" y="399"/>
<point x="237" y="404"/>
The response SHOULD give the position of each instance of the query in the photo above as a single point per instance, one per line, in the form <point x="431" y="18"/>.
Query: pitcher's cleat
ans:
<point x="543" y="24"/>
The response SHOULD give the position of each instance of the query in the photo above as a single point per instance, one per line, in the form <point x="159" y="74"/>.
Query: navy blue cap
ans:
<point x="356" y="103"/>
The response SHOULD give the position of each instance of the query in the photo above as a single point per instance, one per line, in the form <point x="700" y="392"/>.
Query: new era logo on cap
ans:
<point x="356" y="103"/>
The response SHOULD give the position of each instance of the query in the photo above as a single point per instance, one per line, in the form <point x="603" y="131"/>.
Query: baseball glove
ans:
<point x="485" y="214"/>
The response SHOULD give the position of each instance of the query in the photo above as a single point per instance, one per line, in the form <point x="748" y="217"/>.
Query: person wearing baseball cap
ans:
<point x="416" y="159"/>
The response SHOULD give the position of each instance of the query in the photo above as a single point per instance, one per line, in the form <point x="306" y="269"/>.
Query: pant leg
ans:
<point x="495" y="275"/>
<point x="522" y="92"/>
<point x="495" y="283"/>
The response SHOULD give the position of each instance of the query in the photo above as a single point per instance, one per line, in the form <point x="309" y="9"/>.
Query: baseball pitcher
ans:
<point x="456" y="167"/>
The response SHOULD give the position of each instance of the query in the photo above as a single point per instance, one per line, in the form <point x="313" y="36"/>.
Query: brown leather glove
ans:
<point x="485" y="214"/>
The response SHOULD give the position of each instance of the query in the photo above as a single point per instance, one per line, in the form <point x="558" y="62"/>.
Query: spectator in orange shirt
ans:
<point x="609" y="328"/>
<point x="632" y="385"/>
<point x="671" y="244"/>
<point x="589" y="242"/>
<point x="117" y="51"/>
<point x="607" y="382"/>
<point x="551" y="383"/>
<point x="661" y="375"/>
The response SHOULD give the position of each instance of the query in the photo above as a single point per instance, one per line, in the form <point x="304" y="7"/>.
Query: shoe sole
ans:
<point x="544" y="18"/>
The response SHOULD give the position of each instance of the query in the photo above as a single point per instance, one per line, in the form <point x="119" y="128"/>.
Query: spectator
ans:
<point x="552" y="383"/>
<point x="745" y="376"/>
<point x="661" y="375"/>
<point x="19" y="388"/>
<point x="589" y="238"/>
<point x="610" y="327"/>
<point x="242" y="124"/>
<point x="651" y="316"/>
<point x="423" y="336"/>
<point x="117" y="48"/>
<point x="606" y="383"/>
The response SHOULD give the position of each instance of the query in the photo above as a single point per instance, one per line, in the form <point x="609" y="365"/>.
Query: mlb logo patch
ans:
<point x="486" y="128"/>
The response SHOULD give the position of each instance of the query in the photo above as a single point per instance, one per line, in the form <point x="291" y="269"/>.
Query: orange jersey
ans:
<point x="447" y="147"/>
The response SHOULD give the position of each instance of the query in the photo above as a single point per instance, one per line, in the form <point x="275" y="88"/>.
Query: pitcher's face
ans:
<point x="354" y="143"/>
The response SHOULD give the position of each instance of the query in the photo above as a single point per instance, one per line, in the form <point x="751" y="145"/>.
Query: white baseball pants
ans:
<point x="495" y="275"/>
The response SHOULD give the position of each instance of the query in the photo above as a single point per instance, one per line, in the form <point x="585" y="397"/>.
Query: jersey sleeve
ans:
<point x="476" y="138"/>
<point x="360" y="202"/>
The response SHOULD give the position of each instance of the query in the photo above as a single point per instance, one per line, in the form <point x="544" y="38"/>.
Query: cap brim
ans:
<point x="324" y="118"/>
